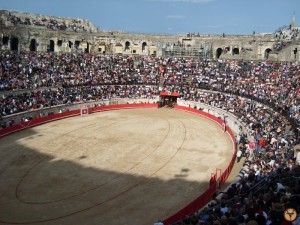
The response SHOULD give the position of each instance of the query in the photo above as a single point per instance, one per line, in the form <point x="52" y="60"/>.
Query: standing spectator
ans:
<point x="239" y="155"/>
<point x="298" y="157"/>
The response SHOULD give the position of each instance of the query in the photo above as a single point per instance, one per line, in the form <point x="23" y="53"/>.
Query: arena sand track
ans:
<point x="119" y="167"/>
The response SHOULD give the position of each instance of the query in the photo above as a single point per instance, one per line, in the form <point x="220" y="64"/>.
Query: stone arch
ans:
<point x="227" y="49"/>
<point x="70" y="44"/>
<point x="127" y="45"/>
<point x="87" y="50"/>
<point x="102" y="47"/>
<point x="51" y="46"/>
<point x="77" y="44"/>
<point x="267" y="52"/>
<point x="295" y="51"/>
<point x="5" y="40"/>
<point x="119" y="48"/>
<point x="32" y="46"/>
<point x="201" y="51"/>
<point x="235" y="51"/>
<point x="144" y="45"/>
<point x="14" y="44"/>
<point x="219" y="52"/>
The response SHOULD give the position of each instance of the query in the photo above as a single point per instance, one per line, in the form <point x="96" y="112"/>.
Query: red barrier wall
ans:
<point x="204" y="198"/>
<point x="46" y="119"/>
<point x="37" y="121"/>
<point x="123" y="106"/>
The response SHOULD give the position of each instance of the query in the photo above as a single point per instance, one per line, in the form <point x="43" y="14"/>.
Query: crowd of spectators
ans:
<point x="274" y="158"/>
<point x="193" y="34"/>
<point x="32" y="81"/>
<point x="49" y="23"/>
<point x="272" y="83"/>
<point x="287" y="32"/>
<point x="285" y="36"/>
<point x="281" y="44"/>
<point x="53" y="78"/>
<point x="85" y="76"/>
<point x="23" y="71"/>
<point x="11" y="103"/>
<point x="265" y="96"/>
<point x="270" y="181"/>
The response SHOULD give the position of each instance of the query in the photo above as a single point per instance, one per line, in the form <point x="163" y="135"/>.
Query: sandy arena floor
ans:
<point x="123" y="167"/>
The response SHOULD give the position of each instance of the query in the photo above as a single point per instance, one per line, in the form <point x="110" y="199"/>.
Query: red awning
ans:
<point x="168" y="93"/>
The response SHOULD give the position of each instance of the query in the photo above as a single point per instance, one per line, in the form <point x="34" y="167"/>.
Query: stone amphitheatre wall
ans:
<point x="33" y="32"/>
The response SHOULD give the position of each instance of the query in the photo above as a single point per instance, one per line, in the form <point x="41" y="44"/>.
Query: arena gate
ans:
<point x="167" y="98"/>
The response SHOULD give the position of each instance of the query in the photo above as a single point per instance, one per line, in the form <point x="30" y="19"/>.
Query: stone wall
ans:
<point x="32" y="32"/>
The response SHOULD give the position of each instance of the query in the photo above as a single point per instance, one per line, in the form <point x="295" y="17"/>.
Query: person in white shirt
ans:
<point x="298" y="157"/>
<point x="238" y="155"/>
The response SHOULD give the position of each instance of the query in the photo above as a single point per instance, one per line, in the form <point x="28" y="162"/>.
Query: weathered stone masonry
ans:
<point x="34" y="32"/>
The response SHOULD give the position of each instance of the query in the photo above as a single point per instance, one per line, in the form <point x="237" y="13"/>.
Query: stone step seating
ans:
<point x="12" y="18"/>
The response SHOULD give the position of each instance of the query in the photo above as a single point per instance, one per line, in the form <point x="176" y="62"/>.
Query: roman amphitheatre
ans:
<point x="115" y="128"/>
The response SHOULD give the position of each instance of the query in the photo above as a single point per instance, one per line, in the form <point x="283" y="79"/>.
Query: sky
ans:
<point x="170" y="16"/>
